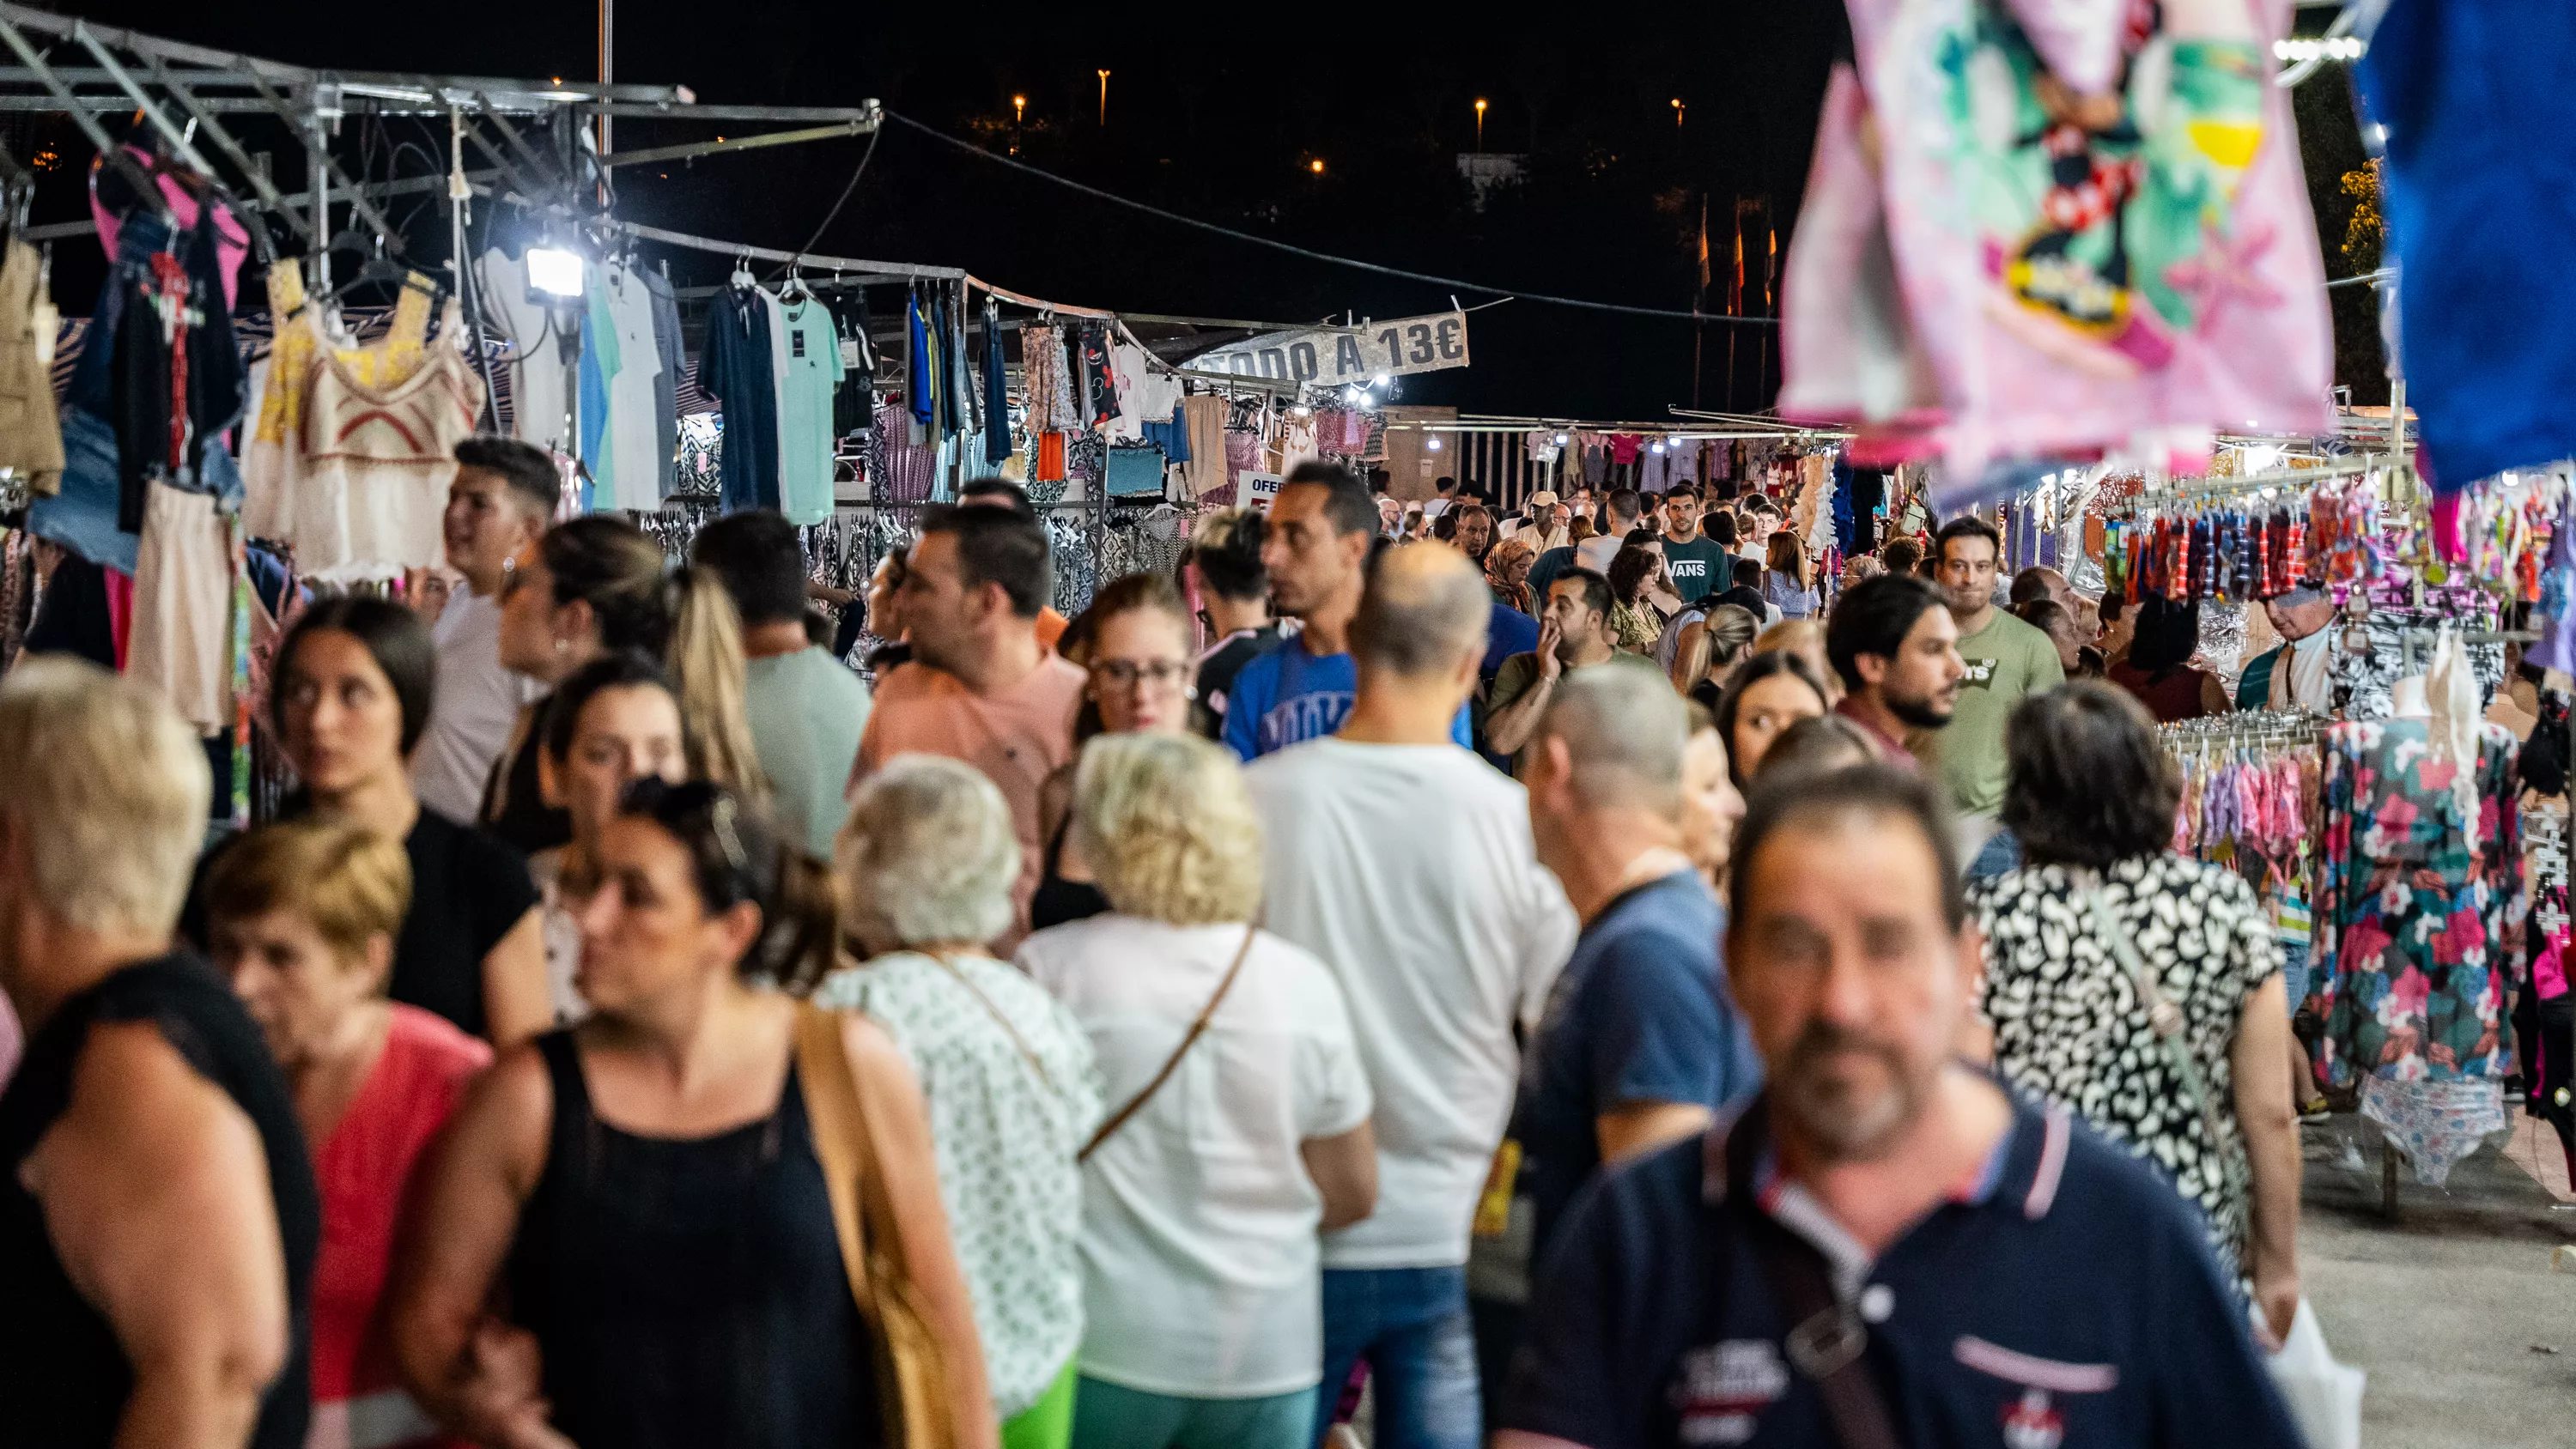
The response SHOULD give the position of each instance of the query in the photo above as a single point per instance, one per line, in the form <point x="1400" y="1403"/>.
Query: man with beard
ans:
<point x="1884" y="1247"/>
<point x="1897" y="652"/>
<point x="1574" y="636"/>
<point x="2006" y="660"/>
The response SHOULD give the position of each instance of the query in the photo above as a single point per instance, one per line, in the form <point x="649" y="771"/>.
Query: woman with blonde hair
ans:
<point x="303" y="916"/>
<point x="1708" y="652"/>
<point x="926" y="864"/>
<point x="1241" y="1120"/>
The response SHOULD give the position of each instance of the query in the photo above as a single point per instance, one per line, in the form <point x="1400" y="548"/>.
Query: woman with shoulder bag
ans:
<point x="2140" y="987"/>
<point x="926" y="863"/>
<point x="710" y="1206"/>
<point x="1243" y="1124"/>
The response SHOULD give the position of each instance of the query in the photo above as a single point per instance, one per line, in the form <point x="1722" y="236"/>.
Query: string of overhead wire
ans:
<point x="1313" y="255"/>
<point x="834" y="214"/>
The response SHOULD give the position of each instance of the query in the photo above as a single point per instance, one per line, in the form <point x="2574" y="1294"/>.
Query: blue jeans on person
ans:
<point x="2002" y="852"/>
<point x="1411" y="1326"/>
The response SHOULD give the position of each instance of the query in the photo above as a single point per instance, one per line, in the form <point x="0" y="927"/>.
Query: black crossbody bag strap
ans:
<point x="1827" y="1341"/>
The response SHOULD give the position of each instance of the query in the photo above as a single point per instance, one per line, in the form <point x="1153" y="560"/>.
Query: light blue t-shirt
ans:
<point x="1288" y="696"/>
<point x="807" y="711"/>
<point x="813" y="352"/>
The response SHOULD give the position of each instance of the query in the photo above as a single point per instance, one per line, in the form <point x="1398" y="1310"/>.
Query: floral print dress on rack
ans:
<point x="2419" y="911"/>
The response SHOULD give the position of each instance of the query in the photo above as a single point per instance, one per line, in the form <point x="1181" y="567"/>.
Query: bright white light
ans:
<point x="554" y="271"/>
<point x="1302" y="411"/>
<point x="2337" y="47"/>
<point x="1659" y="447"/>
<point x="1367" y="401"/>
<point x="1561" y="440"/>
<point x="1350" y="394"/>
<point x="1378" y="381"/>
<point x="1435" y="445"/>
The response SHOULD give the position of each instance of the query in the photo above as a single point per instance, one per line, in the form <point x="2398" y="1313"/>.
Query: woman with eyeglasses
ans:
<point x="1135" y="641"/>
<point x="646" y="1193"/>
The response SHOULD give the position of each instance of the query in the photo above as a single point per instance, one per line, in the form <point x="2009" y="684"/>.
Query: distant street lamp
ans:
<point x="1678" y="108"/>
<point x="1316" y="165"/>
<point x="1480" y="125"/>
<point x="1104" y="98"/>
<point x="1019" y="112"/>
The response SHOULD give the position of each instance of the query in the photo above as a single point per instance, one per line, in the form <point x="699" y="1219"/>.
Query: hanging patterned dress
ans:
<point x="2419" y="918"/>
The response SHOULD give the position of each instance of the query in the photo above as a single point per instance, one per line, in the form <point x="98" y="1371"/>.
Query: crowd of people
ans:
<point x="1595" y="983"/>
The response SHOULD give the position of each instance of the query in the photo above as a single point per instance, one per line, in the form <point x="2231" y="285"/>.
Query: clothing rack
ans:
<point x="2285" y="727"/>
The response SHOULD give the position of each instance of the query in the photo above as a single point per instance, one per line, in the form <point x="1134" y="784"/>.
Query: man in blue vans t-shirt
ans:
<point x="1316" y="549"/>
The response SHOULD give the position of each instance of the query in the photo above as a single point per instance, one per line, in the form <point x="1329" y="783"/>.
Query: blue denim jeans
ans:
<point x="2002" y="853"/>
<point x="1411" y="1326"/>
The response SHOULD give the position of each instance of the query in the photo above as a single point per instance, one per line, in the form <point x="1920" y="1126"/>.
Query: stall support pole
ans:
<point x="318" y="147"/>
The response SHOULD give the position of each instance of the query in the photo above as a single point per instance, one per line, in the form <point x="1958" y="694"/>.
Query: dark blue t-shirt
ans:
<point x="1508" y="631"/>
<point x="1640" y="1014"/>
<point x="2069" y="1298"/>
<point x="1550" y="565"/>
<point x="1288" y="696"/>
<point x="734" y="368"/>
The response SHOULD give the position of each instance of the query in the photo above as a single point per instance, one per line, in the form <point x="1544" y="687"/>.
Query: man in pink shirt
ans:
<point x="980" y="687"/>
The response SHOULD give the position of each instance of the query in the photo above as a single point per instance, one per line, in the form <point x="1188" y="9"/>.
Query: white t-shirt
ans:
<point x="477" y="704"/>
<point x="536" y="366"/>
<point x="2304" y="677"/>
<point x="1199" y="1259"/>
<point x="634" y="446"/>
<point x="1596" y="552"/>
<point x="1409" y="869"/>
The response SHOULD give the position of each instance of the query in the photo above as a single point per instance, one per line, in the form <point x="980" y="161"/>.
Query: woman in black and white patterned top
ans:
<point x="2092" y="798"/>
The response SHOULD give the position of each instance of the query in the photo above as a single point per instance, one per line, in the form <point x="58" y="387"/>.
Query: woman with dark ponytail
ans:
<point x="598" y="585"/>
<point x="651" y="1186"/>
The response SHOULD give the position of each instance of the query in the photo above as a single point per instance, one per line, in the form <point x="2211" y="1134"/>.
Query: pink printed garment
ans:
<point x="2096" y="236"/>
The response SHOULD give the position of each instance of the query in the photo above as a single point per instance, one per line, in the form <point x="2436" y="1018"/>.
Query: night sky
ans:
<point x="1215" y="112"/>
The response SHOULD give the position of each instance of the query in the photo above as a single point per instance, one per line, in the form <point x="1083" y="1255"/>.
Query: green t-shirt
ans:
<point x="812" y="348"/>
<point x="2006" y="660"/>
<point x="1699" y="568"/>
<point x="807" y="711"/>
<point x="2254" y="690"/>
<point x="1519" y="675"/>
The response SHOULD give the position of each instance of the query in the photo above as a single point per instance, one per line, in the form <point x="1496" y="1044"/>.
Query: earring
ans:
<point x="562" y="644"/>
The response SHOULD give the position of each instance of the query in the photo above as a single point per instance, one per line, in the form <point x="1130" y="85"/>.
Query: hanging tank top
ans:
<point x="689" y="1292"/>
<point x="64" y="1381"/>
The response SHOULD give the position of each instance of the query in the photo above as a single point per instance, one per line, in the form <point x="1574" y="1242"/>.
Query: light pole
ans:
<point x="1678" y="109"/>
<point x="1104" y="98"/>
<point x="1480" y="125"/>
<point x="1019" y="112"/>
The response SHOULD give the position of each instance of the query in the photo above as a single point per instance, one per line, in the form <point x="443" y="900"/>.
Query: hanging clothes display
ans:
<point x="1099" y="390"/>
<point x="2475" y="116"/>
<point x="633" y="466"/>
<point x="2066" y="276"/>
<point x="540" y="406"/>
<point x="919" y="396"/>
<point x="854" y="404"/>
<point x="811" y="345"/>
<point x="31" y="430"/>
<point x="997" y="394"/>
<point x="1209" y="468"/>
<point x="378" y="461"/>
<point x="671" y="360"/>
<point x="2418" y="918"/>
<point x="734" y="368"/>
<point x="182" y="607"/>
<point x="274" y="461"/>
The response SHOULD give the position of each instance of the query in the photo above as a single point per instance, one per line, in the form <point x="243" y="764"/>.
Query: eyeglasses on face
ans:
<point x="1124" y="673"/>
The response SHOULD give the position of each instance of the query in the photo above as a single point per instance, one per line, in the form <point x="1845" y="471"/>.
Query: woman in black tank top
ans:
<point x="646" y="1186"/>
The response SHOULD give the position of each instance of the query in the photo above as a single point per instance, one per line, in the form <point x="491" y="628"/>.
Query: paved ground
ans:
<point x="2469" y="1338"/>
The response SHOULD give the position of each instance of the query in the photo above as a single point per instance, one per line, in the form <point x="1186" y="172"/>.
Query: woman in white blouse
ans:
<point x="1238" y="1113"/>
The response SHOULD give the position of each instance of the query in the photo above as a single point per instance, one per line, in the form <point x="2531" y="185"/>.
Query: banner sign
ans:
<point x="1392" y="348"/>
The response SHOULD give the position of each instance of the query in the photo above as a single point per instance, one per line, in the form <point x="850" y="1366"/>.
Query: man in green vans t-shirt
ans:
<point x="1697" y="564"/>
<point x="2006" y="660"/>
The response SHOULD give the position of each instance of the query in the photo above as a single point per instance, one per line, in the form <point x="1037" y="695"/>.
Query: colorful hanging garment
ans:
<point x="2048" y="259"/>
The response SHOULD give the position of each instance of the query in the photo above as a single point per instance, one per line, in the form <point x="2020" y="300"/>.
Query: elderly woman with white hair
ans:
<point x="926" y="864"/>
<point x="1241" y="1124"/>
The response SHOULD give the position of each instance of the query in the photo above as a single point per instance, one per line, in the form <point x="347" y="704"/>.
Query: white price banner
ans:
<point x="1345" y="359"/>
